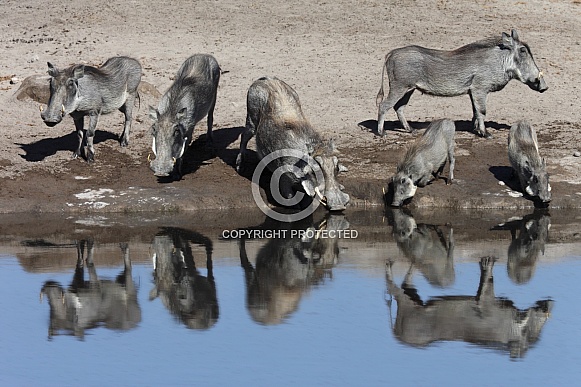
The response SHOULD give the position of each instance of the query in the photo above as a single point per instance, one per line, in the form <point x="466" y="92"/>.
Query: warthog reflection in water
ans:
<point x="526" y="245"/>
<point x="188" y="295"/>
<point x="286" y="268"/>
<point x="93" y="303"/>
<point x="484" y="320"/>
<point x="425" y="245"/>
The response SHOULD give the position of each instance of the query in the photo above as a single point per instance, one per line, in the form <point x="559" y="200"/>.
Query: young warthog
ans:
<point x="276" y="117"/>
<point x="523" y="154"/>
<point x="189" y="99"/>
<point x="424" y="157"/>
<point x="88" y="91"/>
<point x="475" y="69"/>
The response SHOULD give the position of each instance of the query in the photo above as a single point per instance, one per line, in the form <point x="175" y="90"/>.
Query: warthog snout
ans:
<point x="162" y="168"/>
<point x="51" y="118"/>
<point x="333" y="200"/>
<point x="538" y="84"/>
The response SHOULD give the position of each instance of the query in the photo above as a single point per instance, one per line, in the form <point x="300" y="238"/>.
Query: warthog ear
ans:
<point x="79" y="72"/>
<point x="153" y="114"/>
<point x="514" y="35"/>
<point x="52" y="70"/>
<point x="507" y="41"/>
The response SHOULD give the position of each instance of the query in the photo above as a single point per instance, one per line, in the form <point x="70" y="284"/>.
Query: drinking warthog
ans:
<point x="93" y="303"/>
<point x="286" y="268"/>
<point x="484" y="319"/>
<point x="189" y="99"/>
<point x="425" y="246"/>
<point x="424" y="160"/>
<point x="475" y="69"/>
<point x="188" y="295"/>
<point x="89" y="91"/>
<point x="531" y="169"/>
<point x="275" y="116"/>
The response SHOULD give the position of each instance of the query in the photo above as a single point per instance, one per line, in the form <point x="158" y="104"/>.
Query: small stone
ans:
<point x="501" y="182"/>
<point x="14" y="80"/>
<point x="576" y="153"/>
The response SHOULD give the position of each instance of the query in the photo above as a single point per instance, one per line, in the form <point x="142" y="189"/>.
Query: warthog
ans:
<point x="531" y="169"/>
<point x="89" y="91"/>
<point x="286" y="268"/>
<point x="426" y="156"/>
<point x="475" y="69"/>
<point x="188" y="295"/>
<point x="526" y="244"/>
<point x="189" y="99"/>
<point x="93" y="303"/>
<point x="275" y="116"/>
<point x="484" y="319"/>
<point x="426" y="247"/>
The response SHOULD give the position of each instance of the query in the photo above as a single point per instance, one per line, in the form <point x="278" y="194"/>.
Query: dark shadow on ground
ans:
<point x="199" y="153"/>
<point x="41" y="149"/>
<point x="461" y="126"/>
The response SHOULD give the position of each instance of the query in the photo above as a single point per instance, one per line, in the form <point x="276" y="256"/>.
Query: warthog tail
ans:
<point x="380" y="95"/>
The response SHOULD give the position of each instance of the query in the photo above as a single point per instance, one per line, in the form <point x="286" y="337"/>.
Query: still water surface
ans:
<point x="422" y="299"/>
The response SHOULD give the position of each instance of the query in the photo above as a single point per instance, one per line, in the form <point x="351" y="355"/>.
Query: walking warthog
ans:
<point x="426" y="156"/>
<point x="188" y="295"/>
<point x="275" y="116"/>
<point x="89" y="91"/>
<point x="531" y="169"/>
<point x="89" y="304"/>
<point x="189" y="99"/>
<point x="475" y="69"/>
<point x="485" y="319"/>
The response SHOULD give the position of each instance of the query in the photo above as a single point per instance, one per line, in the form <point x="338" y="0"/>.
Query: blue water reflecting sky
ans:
<point x="340" y="335"/>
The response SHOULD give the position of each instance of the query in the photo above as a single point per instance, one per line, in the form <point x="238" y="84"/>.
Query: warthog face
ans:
<point x="538" y="183"/>
<point x="525" y="67"/>
<point x="403" y="188"/>
<point x="170" y="141"/>
<point x="329" y="192"/>
<point x="334" y="199"/>
<point x="64" y="93"/>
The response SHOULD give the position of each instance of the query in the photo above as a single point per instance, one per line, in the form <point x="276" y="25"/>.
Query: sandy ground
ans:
<point x="330" y="52"/>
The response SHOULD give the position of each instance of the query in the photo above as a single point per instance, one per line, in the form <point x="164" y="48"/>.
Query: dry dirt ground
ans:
<point x="330" y="52"/>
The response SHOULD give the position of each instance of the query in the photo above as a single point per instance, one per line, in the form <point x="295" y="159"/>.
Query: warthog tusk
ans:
<point x="63" y="109"/>
<point x="173" y="159"/>
<point x="40" y="108"/>
<point x="383" y="189"/>
<point x="540" y="74"/>
<point x="319" y="195"/>
<point x="149" y="157"/>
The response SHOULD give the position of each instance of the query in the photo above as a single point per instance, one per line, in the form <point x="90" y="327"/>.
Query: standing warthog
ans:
<point x="88" y="91"/>
<point x="485" y="319"/>
<point x="531" y="169"/>
<point x="275" y="116"/>
<point x="426" y="156"/>
<point x="425" y="245"/>
<point x="475" y="69"/>
<point x="189" y="99"/>
<point x="89" y="304"/>
<point x="188" y="295"/>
